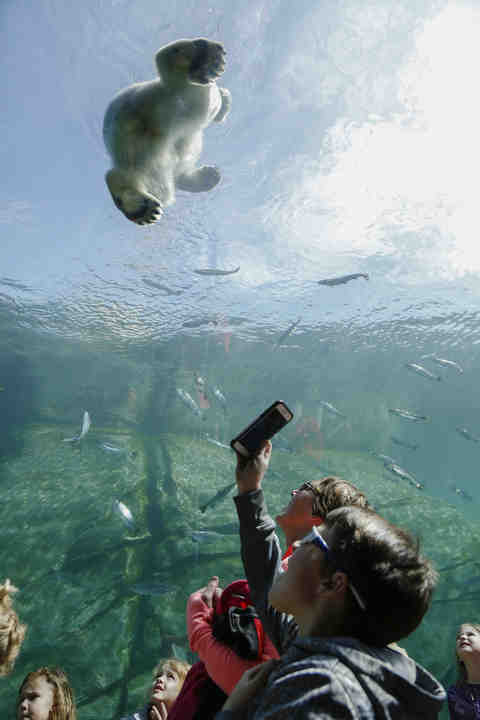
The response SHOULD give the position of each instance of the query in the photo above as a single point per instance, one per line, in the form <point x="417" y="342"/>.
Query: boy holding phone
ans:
<point x="260" y="547"/>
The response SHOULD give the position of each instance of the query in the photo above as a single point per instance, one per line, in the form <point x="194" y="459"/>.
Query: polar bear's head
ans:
<point x="200" y="61"/>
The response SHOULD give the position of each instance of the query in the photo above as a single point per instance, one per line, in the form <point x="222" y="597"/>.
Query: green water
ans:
<point x="75" y="560"/>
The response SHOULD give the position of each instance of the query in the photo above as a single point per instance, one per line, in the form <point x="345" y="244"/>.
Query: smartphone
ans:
<point x="264" y="427"/>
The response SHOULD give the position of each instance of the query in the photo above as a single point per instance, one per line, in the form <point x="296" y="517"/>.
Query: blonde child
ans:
<point x="45" y="694"/>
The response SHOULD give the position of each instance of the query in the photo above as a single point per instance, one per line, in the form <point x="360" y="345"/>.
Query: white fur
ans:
<point x="153" y="130"/>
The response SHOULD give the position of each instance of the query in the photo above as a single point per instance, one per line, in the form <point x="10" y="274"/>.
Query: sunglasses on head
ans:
<point x="315" y="538"/>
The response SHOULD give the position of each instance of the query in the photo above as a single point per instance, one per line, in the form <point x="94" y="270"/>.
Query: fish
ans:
<point x="420" y="370"/>
<point x="467" y="434"/>
<point x="218" y="497"/>
<point x="386" y="459"/>
<point x="216" y="271"/>
<point x="331" y="409"/>
<point x="198" y="323"/>
<point x="151" y="588"/>
<point x="125" y="514"/>
<point x="159" y="286"/>
<point x="330" y="282"/>
<point x="407" y="415"/>
<point x="461" y="492"/>
<point x="220" y="396"/>
<point x="403" y="443"/>
<point x="85" y="428"/>
<point x="287" y="332"/>
<point x="205" y="536"/>
<point x="447" y="363"/>
<point x="112" y="448"/>
<point x="217" y="442"/>
<point x="189" y="402"/>
<point x="400" y="472"/>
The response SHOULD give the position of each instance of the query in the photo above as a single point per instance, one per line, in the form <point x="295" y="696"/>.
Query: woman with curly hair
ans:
<point x="464" y="696"/>
<point x="12" y="631"/>
<point x="45" y="694"/>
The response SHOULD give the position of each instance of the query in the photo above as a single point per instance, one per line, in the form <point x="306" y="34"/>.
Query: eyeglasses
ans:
<point x="308" y="486"/>
<point x="316" y="508"/>
<point x="315" y="538"/>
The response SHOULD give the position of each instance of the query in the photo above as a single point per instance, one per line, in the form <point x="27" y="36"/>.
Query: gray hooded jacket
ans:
<point x="341" y="678"/>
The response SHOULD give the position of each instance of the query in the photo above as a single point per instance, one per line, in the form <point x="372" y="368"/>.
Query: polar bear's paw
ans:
<point x="200" y="180"/>
<point x="225" y="106"/>
<point x="138" y="206"/>
<point x="208" y="62"/>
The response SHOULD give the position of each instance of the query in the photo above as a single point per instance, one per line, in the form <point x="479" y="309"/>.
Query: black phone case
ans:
<point x="258" y="420"/>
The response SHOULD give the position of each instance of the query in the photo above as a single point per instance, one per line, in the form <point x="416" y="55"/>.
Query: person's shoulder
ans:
<point x="452" y="692"/>
<point x="137" y="715"/>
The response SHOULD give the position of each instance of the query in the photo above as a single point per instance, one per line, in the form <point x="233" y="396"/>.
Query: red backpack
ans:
<point x="237" y="625"/>
<point x="236" y="622"/>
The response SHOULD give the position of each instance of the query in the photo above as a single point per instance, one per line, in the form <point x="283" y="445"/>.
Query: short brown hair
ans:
<point x="63" y="701"/>
<point x="12" y="631"/>
<point x="383" y="562"/>
<point x="332" y="492"/>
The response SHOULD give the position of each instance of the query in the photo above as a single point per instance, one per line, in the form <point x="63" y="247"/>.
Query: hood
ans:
<point x="389" y="678"/>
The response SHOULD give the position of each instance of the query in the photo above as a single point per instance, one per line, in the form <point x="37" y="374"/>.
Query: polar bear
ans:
<point x="153" y="130"/>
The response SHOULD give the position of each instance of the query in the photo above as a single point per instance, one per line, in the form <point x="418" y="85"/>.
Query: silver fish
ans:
<point x="220" y="396"/>
<point x="163" y="288"/>
<point x="342" y="279"/>
<point x="189" y="402"/>
<point x="112" y="448"/>
<point x="447" y="363"/>
<point x="287" y="332"/>
<point x="400" y="472"/>
<point x="85" y="428"/>
<point x="386" y="459"/>
<point x="407" y="415"/>
<point x="218" y="497"/>
<point x="217" y="442"/>
<point x="216" y="271"/>
<point x="467" y="434"/>
<point x="124" y="513"/>
<point x="403" y="443"/>
<point x="420" y="370"/>
<point x="205" y="536"/>
<point x="151" y="588"/>
<point x="331" y="409"/>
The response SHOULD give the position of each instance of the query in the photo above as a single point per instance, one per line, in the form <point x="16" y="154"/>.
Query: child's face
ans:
<point x="36" y="700"/>
<point x="166" y="687"/>
<point x="468" y="643"/>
